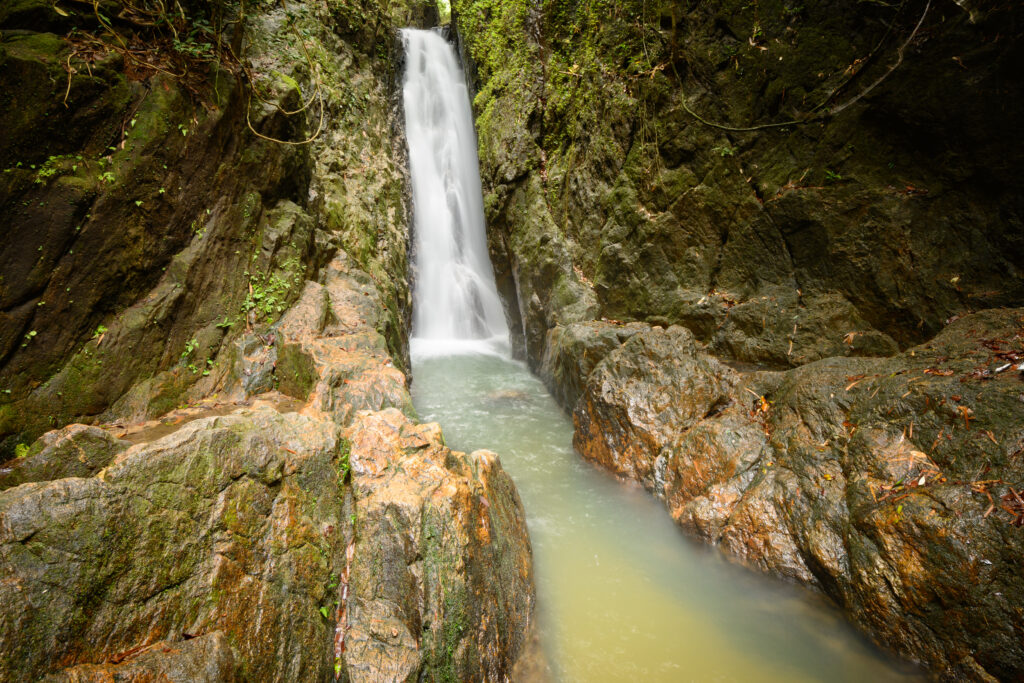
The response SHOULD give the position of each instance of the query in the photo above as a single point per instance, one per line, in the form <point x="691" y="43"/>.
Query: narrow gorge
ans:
<point x="511" y="340"/>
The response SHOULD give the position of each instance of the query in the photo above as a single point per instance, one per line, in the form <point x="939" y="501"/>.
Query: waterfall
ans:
<point x="456" y="303"/>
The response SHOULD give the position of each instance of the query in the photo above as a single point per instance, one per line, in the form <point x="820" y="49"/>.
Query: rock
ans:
<point x="331" y="352"/>
<point x="243" y="524"/>
<point x="441" y="581"/>
<point x="206" y="659"/>
<point x="246" y="534"/>
<point x="642" y="394"/>
<point x="173" y="537"/>
<point x="72" y="451"/>
<point x="608" y="196"/>
<point x="135" y="282"/>
<point x="571" y="353"/>
<point x="881" y="482"/>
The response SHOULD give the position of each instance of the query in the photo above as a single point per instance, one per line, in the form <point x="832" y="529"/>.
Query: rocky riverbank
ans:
<point x="890" y="484"/>
<point x="768" y="255"/>
<point x="226" y="307"/>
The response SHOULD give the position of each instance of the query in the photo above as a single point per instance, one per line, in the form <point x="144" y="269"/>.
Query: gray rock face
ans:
<point x="344" y="539"/>
<point x="623" y="178"/>
<point x="768" y="177"/>
<point x="230" y="524"/>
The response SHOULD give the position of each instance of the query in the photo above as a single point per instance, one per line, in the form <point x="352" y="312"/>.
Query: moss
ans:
<point x="296" y="371"/>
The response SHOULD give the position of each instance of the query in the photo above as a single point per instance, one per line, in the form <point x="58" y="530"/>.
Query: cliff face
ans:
<point x="204" y="257"/>
<point x="149" y="228"/>
<point x="881" y="209"/>
<point x="788" y="185"/>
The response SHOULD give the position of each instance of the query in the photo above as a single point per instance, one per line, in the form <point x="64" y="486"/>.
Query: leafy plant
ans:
<point x="54" y="166"/>
<point x="344" y="465"/>
<point x="268" y="295"/>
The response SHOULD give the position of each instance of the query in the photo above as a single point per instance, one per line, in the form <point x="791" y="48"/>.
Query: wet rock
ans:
<point x="330" y="350"/>
<point x="882" y="482"/>
<point x="243" y="524"/>
<point x="245" y="534"/>
<point x="441" y="580"/>
<point x="643" y="394"/>
<point x="175" y="537"/>
<point x="73" y="451"/>
<point x="780" y="331"/>
<point x="138" y="256"/>
<point x="608" y="195"/>
<point x="571" y="353"/>
<point x="206" y="659"/>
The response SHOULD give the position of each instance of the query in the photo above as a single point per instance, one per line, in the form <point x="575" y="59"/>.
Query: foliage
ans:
<point x="343" y="463"/>
<point x="190" y="347"/>
<point x="268" y="293"/>
<point x="175" y="37"/>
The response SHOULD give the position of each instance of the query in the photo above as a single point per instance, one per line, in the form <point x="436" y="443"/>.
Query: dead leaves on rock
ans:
<point x="762" y="405"/>
<point x="919" y="470"/>
<point x="1013" y="503"/>
<point x="966" y="413"/>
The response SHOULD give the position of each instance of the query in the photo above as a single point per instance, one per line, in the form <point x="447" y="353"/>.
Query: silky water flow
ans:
<point x="623" y="594"/>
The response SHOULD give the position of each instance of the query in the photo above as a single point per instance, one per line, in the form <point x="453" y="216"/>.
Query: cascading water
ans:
<point x="457" y="304"/>
<point x="621" y="594"/>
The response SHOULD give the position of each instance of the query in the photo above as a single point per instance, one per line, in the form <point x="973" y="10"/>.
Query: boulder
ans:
<point x="72" y="451"/>
<point x="893" y="485"/>
<point x="441" y="582"/>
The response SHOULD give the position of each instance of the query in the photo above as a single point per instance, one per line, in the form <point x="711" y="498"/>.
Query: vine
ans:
<point x="173" y="41"/>
<point x="814" y="114"/>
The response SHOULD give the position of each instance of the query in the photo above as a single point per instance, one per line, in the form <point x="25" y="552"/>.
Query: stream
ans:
<point x="623" y="594"/>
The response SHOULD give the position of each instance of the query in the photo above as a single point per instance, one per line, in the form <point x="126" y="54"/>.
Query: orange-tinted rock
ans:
<point x="882" y="482"/>
<point x="441" y="579"/>
<point x="206" y="659"/>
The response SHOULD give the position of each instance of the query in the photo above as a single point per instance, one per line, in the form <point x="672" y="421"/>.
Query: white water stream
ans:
<point x="457" y="304"/>
<point x="623" y="595"/>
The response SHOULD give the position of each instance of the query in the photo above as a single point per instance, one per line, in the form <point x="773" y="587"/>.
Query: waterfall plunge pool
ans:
<point x="622" y="593"/>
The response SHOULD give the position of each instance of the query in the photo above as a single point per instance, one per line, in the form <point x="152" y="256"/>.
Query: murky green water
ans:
<point x="623" y="595"/>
